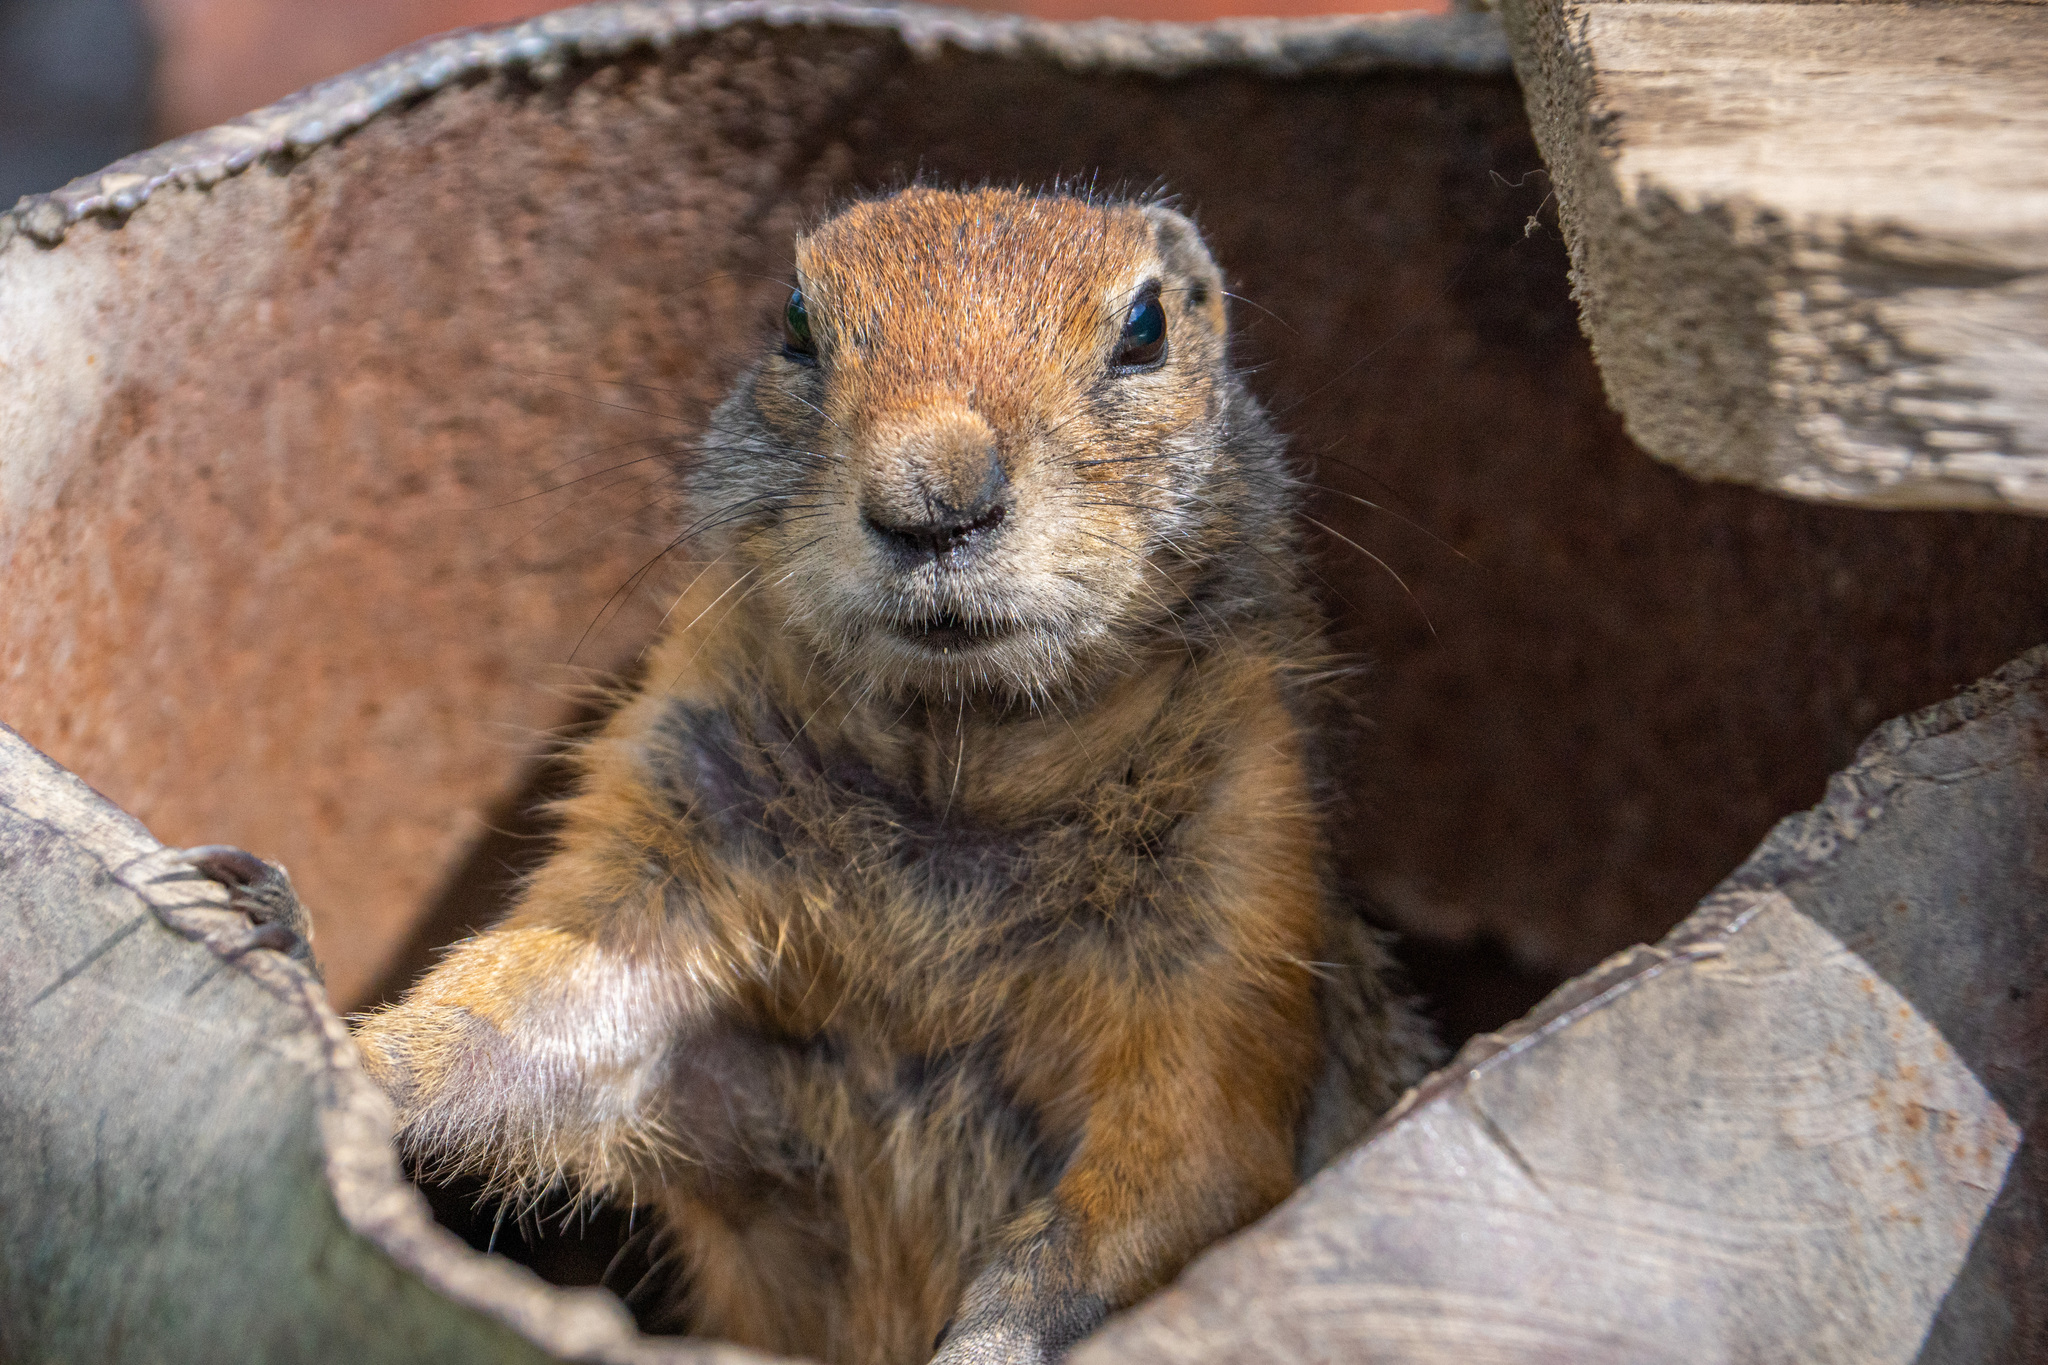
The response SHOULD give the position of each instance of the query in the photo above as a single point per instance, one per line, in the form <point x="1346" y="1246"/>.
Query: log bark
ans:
<point x="1810" y="241"/>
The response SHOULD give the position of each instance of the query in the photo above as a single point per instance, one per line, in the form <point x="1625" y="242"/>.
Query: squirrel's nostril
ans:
<point x="930" y="505"/>
<point x="938" y="536"/>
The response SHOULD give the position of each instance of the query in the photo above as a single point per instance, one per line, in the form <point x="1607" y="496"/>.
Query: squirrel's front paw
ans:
<point x="259" y="889"/>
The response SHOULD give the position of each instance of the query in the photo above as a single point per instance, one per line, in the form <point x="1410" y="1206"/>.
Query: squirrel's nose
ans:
<point x="935" y="538"/>
<point x="940" y="505"/>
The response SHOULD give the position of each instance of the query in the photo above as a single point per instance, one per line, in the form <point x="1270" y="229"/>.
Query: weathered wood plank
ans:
<point x="1810" y="241"/>
<point x="1777" y="1135"/>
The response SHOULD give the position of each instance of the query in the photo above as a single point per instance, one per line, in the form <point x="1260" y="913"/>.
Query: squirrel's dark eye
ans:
<point x="1144" y="338"/>
<point x="796" y="331"/>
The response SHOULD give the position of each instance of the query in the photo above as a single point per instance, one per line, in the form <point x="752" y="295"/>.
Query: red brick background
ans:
<point x="225" y="57"/>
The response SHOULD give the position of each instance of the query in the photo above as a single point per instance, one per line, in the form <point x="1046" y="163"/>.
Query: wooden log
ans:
<point x="1786" y="1132"/>
<point x="193" y="1166"/>
<point x="1810" y="241"/>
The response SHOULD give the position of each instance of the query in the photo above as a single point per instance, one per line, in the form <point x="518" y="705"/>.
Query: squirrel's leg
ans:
<point x="522" y="1054"/>
<point x="1188" y="1135"/>
<point x="558" y="1042"/>
<point x="571" y="1038"/>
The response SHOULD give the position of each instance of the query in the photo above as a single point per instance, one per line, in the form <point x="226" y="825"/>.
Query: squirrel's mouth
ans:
<point x="945" y="630"/>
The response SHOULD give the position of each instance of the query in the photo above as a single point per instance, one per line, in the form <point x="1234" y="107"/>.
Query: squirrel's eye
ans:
<point x="1144" y="338"/>
<point x="796" y="331"/>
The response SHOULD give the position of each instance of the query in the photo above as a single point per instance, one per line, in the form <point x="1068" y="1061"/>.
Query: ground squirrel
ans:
<point x="942" y="935"/>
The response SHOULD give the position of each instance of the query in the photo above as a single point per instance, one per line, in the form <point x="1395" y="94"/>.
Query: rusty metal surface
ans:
<point x="544" y="49"/>
<point x="301" y="552"/>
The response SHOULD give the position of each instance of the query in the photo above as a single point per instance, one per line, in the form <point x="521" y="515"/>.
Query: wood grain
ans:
<point x="1810" y="240"/>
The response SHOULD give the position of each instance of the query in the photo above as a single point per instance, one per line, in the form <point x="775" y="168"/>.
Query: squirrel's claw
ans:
<point x="259" y="889"/>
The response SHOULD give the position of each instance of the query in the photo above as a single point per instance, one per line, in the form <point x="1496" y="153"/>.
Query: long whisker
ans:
<point x="1286" y="567"/>
<point x="572" y="506"/>
<point x="1404" y="520"/>
<point x="655" y="638"/>
<point x="606" y="383"/>
<point x="607" y="403"/>
<point x="1263" y="309"/>
<point x="1424" y="611"/>
<point x="1429" y="311"/>
<point x="692" y="624"/>
<point x="723" y="516"/>
<point x="580" y="478"/>
<point x="609" y="528"/>
<point x="1166" y="610"/>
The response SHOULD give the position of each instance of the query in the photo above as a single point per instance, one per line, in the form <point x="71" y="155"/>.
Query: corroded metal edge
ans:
<point x="1797" y="847"/>
<point x="544" y="49"/>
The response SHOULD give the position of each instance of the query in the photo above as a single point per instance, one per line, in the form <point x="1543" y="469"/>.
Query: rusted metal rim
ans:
<point x="545" y="49"/>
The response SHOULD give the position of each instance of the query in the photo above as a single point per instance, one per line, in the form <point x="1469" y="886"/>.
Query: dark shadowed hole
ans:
<point x="1472" y="987"/>
<point x="568" y="1245"/>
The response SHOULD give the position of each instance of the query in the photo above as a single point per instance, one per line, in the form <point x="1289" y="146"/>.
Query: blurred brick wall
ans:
<point x="225" y="57"/>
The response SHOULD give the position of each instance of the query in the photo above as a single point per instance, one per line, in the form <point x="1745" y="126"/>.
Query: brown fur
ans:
<point x="943" y="932"/>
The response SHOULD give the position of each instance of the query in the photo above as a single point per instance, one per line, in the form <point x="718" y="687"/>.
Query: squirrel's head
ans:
<point x="996" y="444"/>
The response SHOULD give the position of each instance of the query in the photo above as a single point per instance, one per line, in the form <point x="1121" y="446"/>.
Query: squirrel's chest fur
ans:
<point x="935" y="883"/>
<point x="945" y="938"/>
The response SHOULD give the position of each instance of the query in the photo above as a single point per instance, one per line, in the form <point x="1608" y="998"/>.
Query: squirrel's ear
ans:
<point x="1189" y="265"/>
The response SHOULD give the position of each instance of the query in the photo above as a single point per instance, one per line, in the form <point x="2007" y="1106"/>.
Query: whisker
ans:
<point x="1263" y="309"/>
<point x="1384" y="565"/>
<point x="724" y="516"/>
<point x="1428" y="311"/>
<point x="692" y="625"/>
<point x="1404" y="520"/>
<point x="607" y="383"/>
<point x="573" y="505"/>
<point x="607" y="403"/>
<point x="586" y="541"/>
